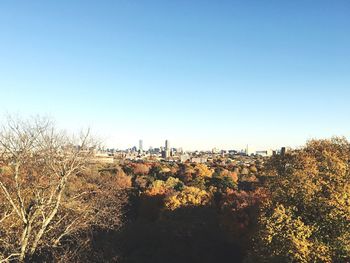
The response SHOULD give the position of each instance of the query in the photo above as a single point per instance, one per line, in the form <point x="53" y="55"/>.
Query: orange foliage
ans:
<point x="141" y="169"/>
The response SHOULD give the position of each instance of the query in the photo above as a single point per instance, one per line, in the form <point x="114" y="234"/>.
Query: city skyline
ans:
<point x="200" y="73"/>
<point x="141" y="148"/>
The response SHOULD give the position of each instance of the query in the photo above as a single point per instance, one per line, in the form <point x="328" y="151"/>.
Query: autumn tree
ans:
<point x="160" y="187"/>
<point x="37" y="162"/>
<point x="189" y="196"/>
<point x="253" y="169"/>
<point x="141" y="169"/>
<point x="307" y="218"/>
<point x="239" y="212"/>
<point x="202" y="170"/>
<point x="244" y="171"/>
<point x="227" y="173"/>
<point x="186" y="172"/>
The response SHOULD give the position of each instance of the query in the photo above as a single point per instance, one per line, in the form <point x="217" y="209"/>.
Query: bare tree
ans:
<point x="37" y="161"/>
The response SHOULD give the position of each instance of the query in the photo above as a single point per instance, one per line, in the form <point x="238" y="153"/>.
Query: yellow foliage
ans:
<point x="157" y="188"/>
<point x="202" y="170"/>
<point x="190" y="196"/>
<point x="282" y="228"/>
<point x="308" y="216"/>
<point x="160" y="187"/>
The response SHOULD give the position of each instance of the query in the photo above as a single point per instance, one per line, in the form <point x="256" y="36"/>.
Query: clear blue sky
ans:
<point x="202" y="73"/>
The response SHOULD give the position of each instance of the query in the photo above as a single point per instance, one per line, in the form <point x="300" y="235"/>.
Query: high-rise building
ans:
<point x="167" y="145"/>
<point x="140" y="146"/>
<point x="166" y="153"/>
<point x="283" y="151"/>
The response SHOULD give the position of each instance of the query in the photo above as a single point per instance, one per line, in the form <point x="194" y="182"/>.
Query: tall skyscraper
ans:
<point x="166" y="153"/>
<point x="167" y="144"/>
<point x="283" y="151"/>
<point x="140" y="146"/>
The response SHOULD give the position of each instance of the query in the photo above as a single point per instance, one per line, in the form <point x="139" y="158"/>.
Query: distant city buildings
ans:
<point x="140" y="146"/>
<point x="215" y="150"/>
<point x="285" y="150"/>
<point x="266" y="153"/>
<point x="184" y="158"/>
<point x="166" y="153"/>
<point x="167" y="144"/>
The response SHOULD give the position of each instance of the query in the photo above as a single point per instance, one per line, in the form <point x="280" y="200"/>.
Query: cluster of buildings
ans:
<point x="166" y="153"/>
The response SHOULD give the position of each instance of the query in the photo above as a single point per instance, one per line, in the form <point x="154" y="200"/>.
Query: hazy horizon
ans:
<point x="202" y="74"/>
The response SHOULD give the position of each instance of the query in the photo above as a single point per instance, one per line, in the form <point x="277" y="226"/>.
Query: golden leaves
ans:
<point x="189" y="196"/>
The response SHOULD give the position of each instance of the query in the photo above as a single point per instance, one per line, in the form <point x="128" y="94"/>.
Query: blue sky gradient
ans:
<point x="202" y="74"/>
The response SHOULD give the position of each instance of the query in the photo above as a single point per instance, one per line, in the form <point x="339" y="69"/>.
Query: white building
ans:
<point x="266" y="153"/>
